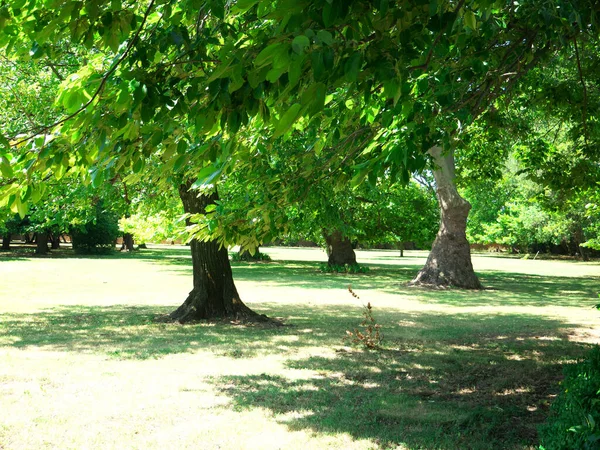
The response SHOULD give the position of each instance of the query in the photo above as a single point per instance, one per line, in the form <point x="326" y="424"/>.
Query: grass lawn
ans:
<point x="84" y="364"/>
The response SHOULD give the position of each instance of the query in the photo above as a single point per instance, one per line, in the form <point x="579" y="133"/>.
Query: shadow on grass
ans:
<point x="443" y="381"/>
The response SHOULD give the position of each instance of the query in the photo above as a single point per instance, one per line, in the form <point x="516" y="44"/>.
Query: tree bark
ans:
<point x="128" y="242"/>
<point x="214" y="295"/>
<point x="41" y="243"/>
<point x="339" y="249"/>
<point x="55" y="241"/>
<point x="449" y="263"/>
<point x="579" y="239"/>
<point x="6" y="242"/>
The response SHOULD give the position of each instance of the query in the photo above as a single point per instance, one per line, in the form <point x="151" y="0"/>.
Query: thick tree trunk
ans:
<point x="449" y="263"/>
<point x="127" y="242"/>
<point x="6" y="242"/>
<point x="55" y="242"/>
<point x="41" y="243"/>
<point x="214" y="295"/>
<point x="339" y="249"/>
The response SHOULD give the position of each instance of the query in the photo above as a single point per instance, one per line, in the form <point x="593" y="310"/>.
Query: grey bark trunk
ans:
<point x="339" y="249"/>
<point x="449" y="263"/>
<point x="41" y="243"/>
<point x="6" y="242"/>
<point x="214" y="295"/>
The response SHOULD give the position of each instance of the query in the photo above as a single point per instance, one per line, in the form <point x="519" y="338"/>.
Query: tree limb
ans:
<point x="102" y="83"/>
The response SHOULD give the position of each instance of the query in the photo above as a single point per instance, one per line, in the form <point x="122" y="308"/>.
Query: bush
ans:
<point x="98" y="236"/>
<point x="346" y="268"/>
<point x="574" y="420"/>
<point x="246" y="256"/>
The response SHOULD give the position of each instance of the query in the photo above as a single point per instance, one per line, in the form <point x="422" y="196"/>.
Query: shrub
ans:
<point x="346" y="268"/>
<point x="574" y="420"/>
<point x="246" y="256"/>
<point x="97" y="236"/>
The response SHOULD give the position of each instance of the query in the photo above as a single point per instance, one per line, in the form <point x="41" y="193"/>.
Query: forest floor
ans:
<point x="85" y="364"/>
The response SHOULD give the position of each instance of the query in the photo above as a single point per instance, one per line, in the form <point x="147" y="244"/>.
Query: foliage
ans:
<point x="575" y="416"/>
<point x="99" y="235"/>
<point x="247" y="256"/>
<point x="371" y="336"/>
<point x="176" y="81"/>
<point x="152" y="228"/>
<point x="522" y="213"/>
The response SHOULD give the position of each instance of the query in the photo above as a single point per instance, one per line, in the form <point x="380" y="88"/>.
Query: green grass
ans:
<point x="84" y="364"/>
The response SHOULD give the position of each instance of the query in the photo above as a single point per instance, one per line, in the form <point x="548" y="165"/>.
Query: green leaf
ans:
<point x="4" y="142"/>
<point x="288" y="119"/>
<point x="267" y="54"/>
<point x="97" y="177"/>
<point x="5" y="168"/>
<point x="138" y="165"/>
<point x="325" y="37"/>
<point x="470" y="20"/>
<point x="180" y="162"/>
<point x="19" y="207"/>
<point x="206" y="176"/>
<point x="300" y="43"/>
<point x="295" y="71"/>
<point x="352" y="67"/>
<point x="244" y="5"/>
<point x="319" y="99"/>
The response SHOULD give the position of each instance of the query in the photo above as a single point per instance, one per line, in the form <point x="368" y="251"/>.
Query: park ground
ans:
<point x="84" y="362"/>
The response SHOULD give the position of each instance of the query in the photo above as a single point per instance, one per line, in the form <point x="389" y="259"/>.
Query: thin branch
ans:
<point x="55" y="71"/>
<point x="102" y="83"/>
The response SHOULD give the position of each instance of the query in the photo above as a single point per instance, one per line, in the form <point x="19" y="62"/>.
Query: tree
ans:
<point x="214" y="294"/>
<point x="386" y="83"/>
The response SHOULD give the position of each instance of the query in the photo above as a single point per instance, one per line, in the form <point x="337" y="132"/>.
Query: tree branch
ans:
<point x="102" y="83"/>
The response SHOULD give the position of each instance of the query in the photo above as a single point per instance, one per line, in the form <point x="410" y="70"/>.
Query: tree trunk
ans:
<point x="339" y="249"/>
<point x="401" y="249"/>
<point x="579" y="239"/>
<point x="55" y="241"/>
<point x="449" y="263"/>
<point x="6" y="242"/>
<point x="127" y="242"/>
<point x="41" y="243"/>
<point x="214" y="295"/>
